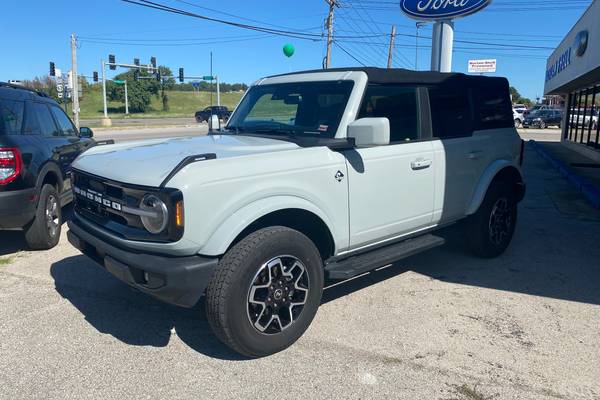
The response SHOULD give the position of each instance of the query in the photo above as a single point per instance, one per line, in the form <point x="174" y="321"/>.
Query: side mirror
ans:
<point x="213" y="123"/>
<point x="370" y="132"/>
<point x="85" y="132"/>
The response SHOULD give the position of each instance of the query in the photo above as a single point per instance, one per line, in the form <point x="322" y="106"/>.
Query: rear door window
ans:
<point x="31" y="125"/>
<point x="11" y="116"/>
<point x="64" y="123"/>
<point x="47" y="126"/>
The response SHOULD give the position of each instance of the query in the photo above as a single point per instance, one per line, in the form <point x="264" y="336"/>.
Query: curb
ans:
<point x="591" y="192"/>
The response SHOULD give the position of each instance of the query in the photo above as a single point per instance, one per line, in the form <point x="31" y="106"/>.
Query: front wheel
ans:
<point x="517" y="123"/>
<point x="542" y="125"/>
<point x="491" y="228"/>
<point x="265" y="291"/>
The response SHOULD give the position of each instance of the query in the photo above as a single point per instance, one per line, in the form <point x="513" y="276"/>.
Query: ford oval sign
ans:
<point x="432" y="10"/>
<point x="581" y="43"/>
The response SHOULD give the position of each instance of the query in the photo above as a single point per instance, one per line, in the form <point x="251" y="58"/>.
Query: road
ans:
<point x="120" y="135"/>
<point x="439" y="325"/>
<point x="119" y="122"/>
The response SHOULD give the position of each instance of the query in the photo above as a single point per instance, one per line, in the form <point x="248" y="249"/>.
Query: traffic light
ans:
<point x="136" y="75"/>
<point x="112" y="61"/>
<point x="52" y="69"/>
<point x="181" y="75"/>
<point x="158" y="77"/>
<point x="153" y="62"/>
<point x="136" y="61"/>
<point x="95" y="76"/>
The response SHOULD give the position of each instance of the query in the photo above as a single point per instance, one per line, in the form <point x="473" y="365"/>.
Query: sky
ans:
<point x="39" y="32"/>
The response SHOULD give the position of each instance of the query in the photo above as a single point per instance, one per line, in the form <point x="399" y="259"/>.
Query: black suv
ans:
<point x="220" y="111"/>
<point x="38" y="142"/>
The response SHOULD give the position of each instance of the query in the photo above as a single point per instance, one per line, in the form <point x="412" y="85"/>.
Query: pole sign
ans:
<point x="482" y="66"/>
<point x="435" y="10"/>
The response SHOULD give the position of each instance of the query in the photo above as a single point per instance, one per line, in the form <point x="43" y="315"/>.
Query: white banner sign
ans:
<point x="481" y="66"/>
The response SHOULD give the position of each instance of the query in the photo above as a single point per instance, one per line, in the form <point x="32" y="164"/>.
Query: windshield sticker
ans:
<point x="323" y="128"/>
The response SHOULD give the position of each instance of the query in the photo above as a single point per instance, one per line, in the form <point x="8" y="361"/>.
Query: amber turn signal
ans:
<point x="179" y="213"/>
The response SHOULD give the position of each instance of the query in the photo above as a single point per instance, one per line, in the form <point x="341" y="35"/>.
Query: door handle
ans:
<point x="474" y="155"/>
<point x="420" y="163"/>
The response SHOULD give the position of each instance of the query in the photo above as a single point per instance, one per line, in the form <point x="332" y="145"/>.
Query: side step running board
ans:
<point x="365" y="262"/>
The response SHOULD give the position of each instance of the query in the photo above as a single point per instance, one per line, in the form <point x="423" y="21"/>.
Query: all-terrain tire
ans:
<point x="44" y="231"/>
<point x="490" y="230"/>
<point x="229" y="310"/>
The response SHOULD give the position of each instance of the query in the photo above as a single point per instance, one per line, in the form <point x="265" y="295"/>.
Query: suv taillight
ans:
<point x="10" y="164"/>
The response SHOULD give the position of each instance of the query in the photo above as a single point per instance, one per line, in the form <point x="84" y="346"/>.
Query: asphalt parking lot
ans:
<point x="439" y="325"/>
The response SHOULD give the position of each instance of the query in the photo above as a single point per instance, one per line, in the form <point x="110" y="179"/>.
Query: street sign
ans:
<point x="439" y="10"/>
<point x="196" y="84"/>
<point x="208" y="78"/>
<point x="59" y="87"/>
<point x="60" y="95"/>
<point x="118" y="81"/>
<point x="482" y="66"/>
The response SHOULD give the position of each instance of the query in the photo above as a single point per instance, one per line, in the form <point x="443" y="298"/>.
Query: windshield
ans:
<point x="298" y="108"/>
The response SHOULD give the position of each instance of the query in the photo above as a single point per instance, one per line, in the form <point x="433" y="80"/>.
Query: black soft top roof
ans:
<point x="400" y="75"/>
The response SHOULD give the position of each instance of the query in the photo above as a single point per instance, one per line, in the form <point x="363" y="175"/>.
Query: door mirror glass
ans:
<point x="370" y="131"/>
<point x="214" y="123"/>
<point x="85" y="132"/>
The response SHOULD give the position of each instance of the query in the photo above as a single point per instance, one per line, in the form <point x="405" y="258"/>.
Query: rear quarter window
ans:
<point x="11" y="116"/>
<point x="493" y="106"/>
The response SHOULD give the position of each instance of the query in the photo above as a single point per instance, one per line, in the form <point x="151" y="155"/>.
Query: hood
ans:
<point x="149" y="162"/>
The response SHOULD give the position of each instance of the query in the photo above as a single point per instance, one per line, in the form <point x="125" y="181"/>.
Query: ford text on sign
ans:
<point x="441" y="9"/>
<point x="480" y="66"/>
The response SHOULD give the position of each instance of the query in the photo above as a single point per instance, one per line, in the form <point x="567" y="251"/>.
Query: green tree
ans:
<point x="518" y="99"/>
<point x="139" y="92"/>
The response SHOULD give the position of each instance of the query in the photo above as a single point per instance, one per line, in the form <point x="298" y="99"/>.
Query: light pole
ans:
<point x="126" y="100"/>
<point x="105" y="121"/>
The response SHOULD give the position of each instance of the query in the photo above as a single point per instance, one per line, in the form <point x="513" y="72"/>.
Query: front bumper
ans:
<point x="17" y="208"/>
<point x="175" y="280"/>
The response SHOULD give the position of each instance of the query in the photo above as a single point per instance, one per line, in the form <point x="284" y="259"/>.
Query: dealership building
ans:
<point x="573" y="71"/>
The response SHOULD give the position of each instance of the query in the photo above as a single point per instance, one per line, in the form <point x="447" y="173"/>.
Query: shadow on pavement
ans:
<point x="132" y="317"/>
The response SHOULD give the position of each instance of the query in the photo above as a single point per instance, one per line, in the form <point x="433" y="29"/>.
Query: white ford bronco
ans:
<point x="318" y="175"/>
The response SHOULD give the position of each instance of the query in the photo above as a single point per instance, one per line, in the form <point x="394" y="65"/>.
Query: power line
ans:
<point x="348" y="53"/>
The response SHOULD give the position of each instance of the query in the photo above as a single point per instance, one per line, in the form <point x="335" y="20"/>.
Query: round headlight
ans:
<point x="157" y="222"/>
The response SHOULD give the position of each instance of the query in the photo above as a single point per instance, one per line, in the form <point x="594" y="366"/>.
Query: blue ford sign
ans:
<point x="432" y="10"/>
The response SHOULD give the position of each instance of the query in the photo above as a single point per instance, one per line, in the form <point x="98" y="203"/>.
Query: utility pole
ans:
<point x="332" y="4"/>
<point x="74" y="79"/>
<point x="105" y="121"/>
<point x="211" y="81"/>
<point x="391" y="50"/>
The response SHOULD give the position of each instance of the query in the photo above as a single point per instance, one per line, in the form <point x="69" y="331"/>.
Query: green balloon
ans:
<point x="288" y="50"/>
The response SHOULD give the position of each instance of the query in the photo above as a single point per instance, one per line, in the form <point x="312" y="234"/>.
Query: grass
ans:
<point x="6" y="260"/>
<point x="181" y="104"/>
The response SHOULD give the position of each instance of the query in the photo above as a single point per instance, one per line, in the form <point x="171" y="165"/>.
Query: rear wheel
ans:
<point x="517" y="123"/>
<point x="542" y="125"/>
<point x="265" y="291"/>
<point x="490" y="229"/>
<point x="44" y="232"/>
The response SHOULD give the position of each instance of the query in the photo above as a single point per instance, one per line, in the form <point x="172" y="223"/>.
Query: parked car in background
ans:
<point x="38" y="142"/>
<point x="520" y="108"/>
<point x="540" y="107"/>
<point x="518" y="117"/>
<point x="221" y="111"/>
<point x="543" y="118"/>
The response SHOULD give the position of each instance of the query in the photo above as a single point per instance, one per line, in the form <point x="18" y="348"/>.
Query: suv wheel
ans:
<point x="517" y="123"/>
<point x="542" y="125"/>
<point x="265" y="291"/>
<point x="490" y="229"/>
<point x="44" y="232"/>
